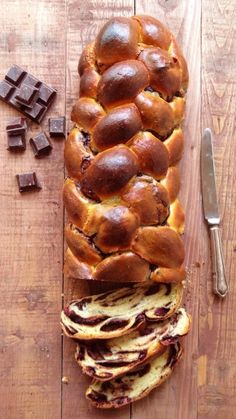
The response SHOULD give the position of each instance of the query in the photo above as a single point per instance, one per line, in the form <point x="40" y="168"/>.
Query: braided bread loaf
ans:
<point x="121" y="156"/>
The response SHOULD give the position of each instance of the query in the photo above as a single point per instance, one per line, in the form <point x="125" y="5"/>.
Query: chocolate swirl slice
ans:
<point x="119" y="312"/>
<point x="136" y="384"/>
<point x="106" y="360"/>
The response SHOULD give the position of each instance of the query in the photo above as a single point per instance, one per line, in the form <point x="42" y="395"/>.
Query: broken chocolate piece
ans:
<point x="28" y="182"/>
<point x="35" y="106"/>
<point x="16" y="142"/>
<point x="41" y="145"/>
<point x="57" y="126"/>
<point x="27" y="95"/>
<point x="16" y="126"/>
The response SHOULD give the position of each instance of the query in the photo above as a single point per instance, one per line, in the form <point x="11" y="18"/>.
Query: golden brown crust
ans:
<point x="117" y="127"/>
<point x="126" y="267"/>
<point x="152" y="155"/>
<point x="121" y="195"/>
<point x="168" y="275"/>
<point x="88" y="83"/>
<point x="122" y="82"/>
<point x="81" y="246"/>
<point x="156" y="113"/>
<point x="172" y="182"/>
<point x="175" y="144"/>
<point x="161" y="246"/>
<point x="176" y="217"/>
<point x="117" y="41"/>
<point x="153" y="32"/>
<point x="148" y="199"/>
<point x="77" y="156"/>
<point x="109" y="172"/>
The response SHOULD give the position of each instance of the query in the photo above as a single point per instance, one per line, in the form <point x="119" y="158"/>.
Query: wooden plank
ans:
<point x="217" y="336"/>
<point x="177" y="398"/>
<point x="84" y="20"/>
<point x="32" y="35"/>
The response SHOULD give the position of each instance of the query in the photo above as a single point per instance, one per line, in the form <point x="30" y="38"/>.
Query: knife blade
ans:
<point x="211" y="213"/>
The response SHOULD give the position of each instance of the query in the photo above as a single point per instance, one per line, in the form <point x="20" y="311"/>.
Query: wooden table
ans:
<point x="46" y="37"/>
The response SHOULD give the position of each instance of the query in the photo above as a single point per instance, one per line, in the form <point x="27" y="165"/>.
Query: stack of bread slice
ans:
<point x="127" y="340"/>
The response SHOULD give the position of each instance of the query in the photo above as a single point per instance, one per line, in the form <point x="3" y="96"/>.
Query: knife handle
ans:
<point x="220" y="286"/>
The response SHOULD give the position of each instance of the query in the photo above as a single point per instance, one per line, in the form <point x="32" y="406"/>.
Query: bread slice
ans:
<point x="106" y="360"/>
<point x="136" y="384"/>
<point x="116" y="313"/>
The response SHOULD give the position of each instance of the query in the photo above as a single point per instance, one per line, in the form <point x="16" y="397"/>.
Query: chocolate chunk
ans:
<point x="57" y="126"/>
<point x="16" y="142"/>
<point x="46" y="94"/>
<point x="15" y="75"/>
<point x="33" y="101"/>
<point x="27" y="95"/>
<point x="41" y="145"/>
<point x="28" y="182"/>
<point x="17" y="126"/>
<point x="6" y="90"/>
<point x="36" y="113"/>
<point x="32" y="81"/>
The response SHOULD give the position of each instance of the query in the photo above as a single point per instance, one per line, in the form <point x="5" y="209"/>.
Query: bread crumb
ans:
<point x="65" y="380"/>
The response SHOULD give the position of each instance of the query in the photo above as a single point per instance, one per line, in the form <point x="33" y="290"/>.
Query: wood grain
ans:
<point x="32" y="35"/>
<point x="217" y="332"/>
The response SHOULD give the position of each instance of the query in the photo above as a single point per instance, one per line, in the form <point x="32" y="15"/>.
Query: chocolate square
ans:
<point x="6" y="90"/>
<point x="27" y="95"/>
<point x="46" y="94"/>
<point x="36" y="113"/>
<point x="15" y="74"/>
<point x="32" y="81"/>
<point x="41" y="145"/>
<point x="17" y="126"/>
<point x="16" y="142"/>
<point x="57" y="126"/>
<point x="28" y="182"/>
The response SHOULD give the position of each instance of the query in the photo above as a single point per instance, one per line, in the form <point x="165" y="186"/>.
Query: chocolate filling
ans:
<point x="90" y="321"/>
<point x="161" y="311"/>
<point x="153" y="289"/>
<point x="114" y="324"/>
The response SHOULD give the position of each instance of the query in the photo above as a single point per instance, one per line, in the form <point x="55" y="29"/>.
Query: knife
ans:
<point x="211" y="214"/>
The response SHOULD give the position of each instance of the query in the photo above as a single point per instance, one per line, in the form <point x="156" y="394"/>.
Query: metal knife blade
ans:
<point x="209" y="196"/>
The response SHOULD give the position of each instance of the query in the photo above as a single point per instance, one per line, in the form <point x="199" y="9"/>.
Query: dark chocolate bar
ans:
<point x="32" y="107"/>
<point x="41" y="145"/>
<point x="28" y="182"/>
<point x="57" y="126"/>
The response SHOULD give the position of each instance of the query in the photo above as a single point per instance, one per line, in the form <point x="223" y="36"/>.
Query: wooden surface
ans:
<point x="46" y="37"/>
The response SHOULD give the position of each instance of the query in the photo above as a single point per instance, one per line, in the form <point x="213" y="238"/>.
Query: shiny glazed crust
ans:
<point x="116" y="313"/>
<point x="124" y="218"/>
<point x="135" y="384"/>
<point x="106" y="360"/>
